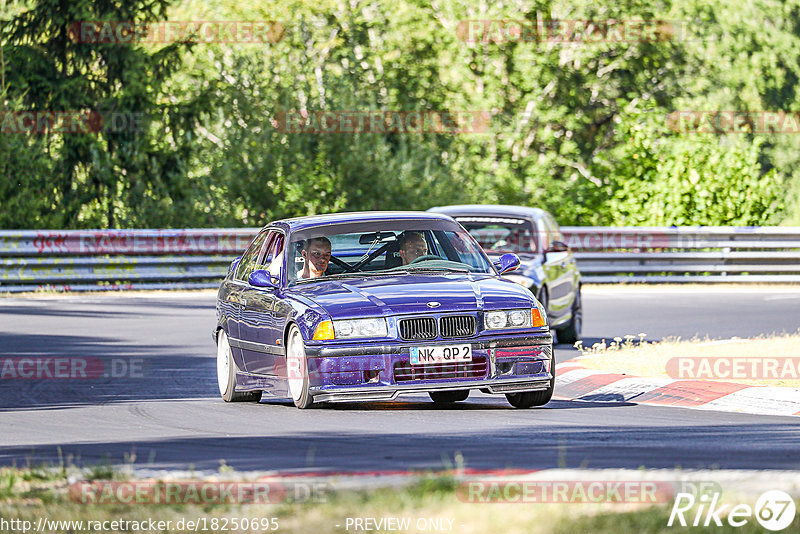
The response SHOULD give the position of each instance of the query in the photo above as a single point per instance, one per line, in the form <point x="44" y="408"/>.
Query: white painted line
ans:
<point x="782" y="297"/>
<point x="626" y="389"/>
<point x="572" y="376"/>
<point x="643" y="290"/>
<point x="769" y="400"/>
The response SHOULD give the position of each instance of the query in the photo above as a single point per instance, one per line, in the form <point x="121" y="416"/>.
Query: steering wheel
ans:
<point x="426" y="257"/>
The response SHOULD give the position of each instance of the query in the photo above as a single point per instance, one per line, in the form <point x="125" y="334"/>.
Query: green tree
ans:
<point x="135" y="170"/>
<point x="334" y="58"/>
<point x="662" y="178"/>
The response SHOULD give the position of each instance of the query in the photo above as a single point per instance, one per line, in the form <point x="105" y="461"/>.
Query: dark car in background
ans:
<point x="548" y="268"/>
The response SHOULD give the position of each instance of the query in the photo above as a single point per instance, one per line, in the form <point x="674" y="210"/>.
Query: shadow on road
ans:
<point x="533" y="446"/>
<point x="97" y="370"/>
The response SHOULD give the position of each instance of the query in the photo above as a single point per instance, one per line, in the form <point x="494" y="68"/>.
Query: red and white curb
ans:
<point x="574" y="382"/>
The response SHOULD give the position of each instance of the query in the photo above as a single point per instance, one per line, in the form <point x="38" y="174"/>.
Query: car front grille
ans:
<point x="457" y="326"/>
<point x="450" y="326"/>
<point x="418" y="329"/>
<point x="476" y="369"/>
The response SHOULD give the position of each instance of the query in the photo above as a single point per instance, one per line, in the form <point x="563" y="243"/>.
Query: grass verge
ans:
<point x="432" y="503"/>
<point x="763" y="361"/>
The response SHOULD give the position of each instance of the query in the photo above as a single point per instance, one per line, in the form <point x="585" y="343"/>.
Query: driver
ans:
<point x="412" y="246"/>
<point x="316" y="255"/>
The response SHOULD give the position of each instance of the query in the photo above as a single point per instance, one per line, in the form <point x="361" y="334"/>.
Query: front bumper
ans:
<point x="382" y="371"/>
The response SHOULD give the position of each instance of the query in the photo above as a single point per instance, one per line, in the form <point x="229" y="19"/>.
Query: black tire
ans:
<point x="572" y="331"/>
<point x="226" y="373"/>
<point x="297" y="369"/>
<point x="449" y="397"/>
<point x="527" y="399"/>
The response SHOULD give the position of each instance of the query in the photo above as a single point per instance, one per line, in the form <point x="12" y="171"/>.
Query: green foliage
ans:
<point x="335" y="59"/>
<point x="577" y="128"/>
<point x="26" y="166"/>
<point x="661" y="178"/>
<point x="120" y="175"/>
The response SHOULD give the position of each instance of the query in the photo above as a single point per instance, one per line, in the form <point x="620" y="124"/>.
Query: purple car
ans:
<point x="369" y="306"/>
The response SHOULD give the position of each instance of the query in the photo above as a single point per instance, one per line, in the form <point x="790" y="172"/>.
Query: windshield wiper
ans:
<point x="358" y="274"/>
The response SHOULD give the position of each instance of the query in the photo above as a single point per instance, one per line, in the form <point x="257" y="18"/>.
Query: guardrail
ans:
<point x="703" y="254"/>
<point x="98" y="260"/>
<point x="103" y="260"/>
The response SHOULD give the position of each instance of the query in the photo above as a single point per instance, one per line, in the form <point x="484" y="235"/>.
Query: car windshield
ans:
<point x="501" y="234"/>
<point x="380" y="248"/>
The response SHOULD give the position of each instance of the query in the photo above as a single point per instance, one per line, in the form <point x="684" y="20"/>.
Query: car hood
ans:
<point x="411" y="293"/>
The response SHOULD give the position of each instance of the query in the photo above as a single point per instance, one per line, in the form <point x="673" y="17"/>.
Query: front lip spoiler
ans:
<point x="390" y="392"/>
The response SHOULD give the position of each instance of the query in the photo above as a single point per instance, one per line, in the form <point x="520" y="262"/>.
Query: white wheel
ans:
<point x="226" y="373"/>
<point x="224" y="359"/>
<point x="297" y="369"/>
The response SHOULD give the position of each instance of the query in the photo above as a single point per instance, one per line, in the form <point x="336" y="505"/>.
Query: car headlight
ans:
<point x="496" y="319"/>
<point x="350" y="328"/>
<point x="524" y="318"/>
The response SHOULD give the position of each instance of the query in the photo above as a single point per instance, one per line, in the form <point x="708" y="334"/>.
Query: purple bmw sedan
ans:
<point x="369" y="306"/>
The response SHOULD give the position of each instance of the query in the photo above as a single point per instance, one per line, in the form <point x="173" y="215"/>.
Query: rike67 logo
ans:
<point x="774" y="510"/>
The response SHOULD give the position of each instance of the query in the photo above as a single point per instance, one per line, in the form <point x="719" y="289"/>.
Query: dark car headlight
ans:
<point x="358" y="328"/>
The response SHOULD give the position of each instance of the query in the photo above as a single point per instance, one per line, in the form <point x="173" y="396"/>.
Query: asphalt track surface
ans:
<point x="164" y="412"/>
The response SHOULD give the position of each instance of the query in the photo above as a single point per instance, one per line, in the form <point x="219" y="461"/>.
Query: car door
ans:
<point x="233" y="297"/>
<point x="261" y="334"/>
<point x="571" y="274"/>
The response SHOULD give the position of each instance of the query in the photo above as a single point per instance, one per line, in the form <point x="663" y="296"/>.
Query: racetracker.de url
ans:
<point x="201" y="524"/>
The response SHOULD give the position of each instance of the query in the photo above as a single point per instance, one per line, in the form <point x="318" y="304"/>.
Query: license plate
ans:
<point x="441" y="354"/>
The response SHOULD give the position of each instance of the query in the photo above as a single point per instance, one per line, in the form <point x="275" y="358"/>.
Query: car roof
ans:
<point x="313" y="221"/>
<point x="490" y="210"/>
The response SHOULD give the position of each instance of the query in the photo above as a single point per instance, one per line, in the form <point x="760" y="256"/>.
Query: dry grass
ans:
<point x="28" y="497"/>
<point x="31" y="493"/>
<point x="670" y="359"/>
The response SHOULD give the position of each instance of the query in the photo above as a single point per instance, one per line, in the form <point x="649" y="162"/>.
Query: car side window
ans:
<point x="248" y="262"/>
<point x="543" y="234"/>
<point x="555" y="231"/>
<point x="273" y="259"/>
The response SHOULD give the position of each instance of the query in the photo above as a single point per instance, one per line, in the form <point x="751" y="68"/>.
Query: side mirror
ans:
<point x="234" y="264"/>
<point x="507" y="263"/>
<point x="262" y="278"/>
<point x="558" y="246"/>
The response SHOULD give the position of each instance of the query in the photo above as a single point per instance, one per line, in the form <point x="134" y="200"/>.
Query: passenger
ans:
<point x="316" y="255"/>
<point x="412" y="246"/>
